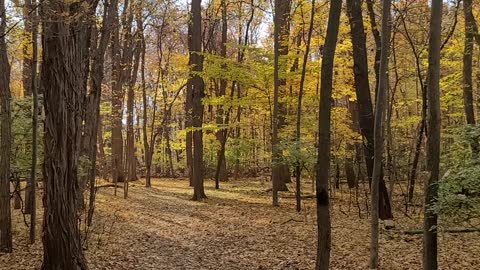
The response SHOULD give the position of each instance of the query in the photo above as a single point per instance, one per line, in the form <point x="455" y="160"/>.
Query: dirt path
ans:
<point x="236" y="228"/>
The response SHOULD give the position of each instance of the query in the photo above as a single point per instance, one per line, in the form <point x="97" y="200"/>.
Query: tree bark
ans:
<point x="324" y="144"/>
<point x="379" y="131"/>
<point x="5" y="140"/>
<point x="92" y="117"/>
<point x="433" y="137"/>
<point x="117" y="103"/>
<point x="281" y="34"/>
<point x="197" y="106"/>
<point x="298" y="171"/>
<point x="468" y="71"/>
<point x="221" y="171"/>
<point x="364" y="100"/>
<point x="33" y="172"/>
<point x="65" y="32"/>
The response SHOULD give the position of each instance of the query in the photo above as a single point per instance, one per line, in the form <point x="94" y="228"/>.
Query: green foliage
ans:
<point x="459" y="190"/>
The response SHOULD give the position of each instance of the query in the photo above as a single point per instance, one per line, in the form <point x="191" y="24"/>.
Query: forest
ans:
<point x="239" y="134"/>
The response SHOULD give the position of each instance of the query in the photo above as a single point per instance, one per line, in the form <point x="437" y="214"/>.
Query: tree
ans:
<point x="364" y="100"/>
<point x="197" y="96"/>
<point x="379" y="131"/>
<point x="221" y="171"/>
<point x="117" y="100"/>
<point x="92" y="118"/>
<point x="433" y="137"/>
<point x="298" y="171"/>
<point x="467" y="70"/>
<point x="66" y="32"/>
<point x="5" y="140"/>
<point x="33" y="172"/>
<point x="323" y="159"/>
<point x="280" y="173"/>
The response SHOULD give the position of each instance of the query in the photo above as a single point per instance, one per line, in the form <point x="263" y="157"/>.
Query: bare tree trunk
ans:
<point x="324" y="144"/>
<point x="281" y="32"/>
<point x="117" y="103"/>
<point x="93" y="125"/>
<point x="364" y="101"/>
<point x="468" y="71"/>
<point x="33" y="172"/>
<point x="298" y="170"/>
<point x="197" y="106"/>
<point x="27" y="81"/>
<point x="64" y="82"/>
<point x="433" y="140"/>
<point x="6" y="139"/>
<point x="221" y="172"/>
<point x="379" y="131"/>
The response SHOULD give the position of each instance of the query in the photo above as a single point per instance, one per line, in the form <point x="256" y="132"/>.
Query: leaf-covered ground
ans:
<point x="236" y="228"/>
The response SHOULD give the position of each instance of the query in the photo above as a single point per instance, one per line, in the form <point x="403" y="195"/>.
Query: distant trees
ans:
<point x="323" y="162"/>
<point x="6" y="139"/>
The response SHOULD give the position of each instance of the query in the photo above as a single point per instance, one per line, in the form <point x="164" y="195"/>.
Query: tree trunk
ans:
<point x="64" y="84"/>
<point x="197" y="106"/>
<point x="93" y="125"/>
<point x="33" y="170"/>
<point x="117" y="103"/>
<point x="433" y="139"/>
<point x="27" y="76"/>
<point x="281" y="33"/>
<point x="468" y="71"/>
<point x="364" y="101"/>
<point x="324" y="144"/>
<point x="379" y="131"/>
<point x="5" y="140"/>
<point x="221" y="172"/>
<point x="298" y="170"/>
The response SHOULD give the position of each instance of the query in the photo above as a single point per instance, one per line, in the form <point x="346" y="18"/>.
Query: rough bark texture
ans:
<point x="197" y="106"/>
<point x="364" y="100"/>
<point x="65" y="50"/>
<point x="5" y="141"/>
<point x="379" y="131"/>
<point x="324" y="145"/>
<point x="433" y="137"/>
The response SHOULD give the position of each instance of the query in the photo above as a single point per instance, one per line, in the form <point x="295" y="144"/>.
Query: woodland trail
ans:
<point x="236" y="228"/>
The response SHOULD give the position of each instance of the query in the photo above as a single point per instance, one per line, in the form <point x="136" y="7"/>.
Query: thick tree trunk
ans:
<point x="324" y="144"/>
<point x="433" y="140"/>
<point x="364" y="101"/>
<point x="197" y="106"/>
<point x="5" y="140"/>
<point x="65" y="32"/>
<point x="379" y="131"/>
<point x="281" y="33"/>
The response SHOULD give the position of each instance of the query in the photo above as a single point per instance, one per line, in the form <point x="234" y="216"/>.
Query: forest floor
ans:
<point x="236" y="228"/>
